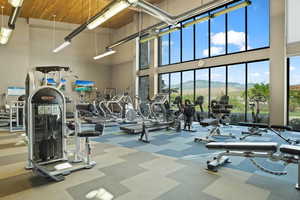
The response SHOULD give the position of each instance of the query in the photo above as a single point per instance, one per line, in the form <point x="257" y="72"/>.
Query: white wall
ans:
<point x="293" y="15"/>
<point x="32" y="44"/>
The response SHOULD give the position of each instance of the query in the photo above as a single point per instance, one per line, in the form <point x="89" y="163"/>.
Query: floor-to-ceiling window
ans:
<point x="294" y="92"/>
<point x="239" y="81"/>
<point x="242" y="29"/>
<point x="236" y="86"/>
<point x="164" y="83"/>
<point x="258" y="25"/>
<point x="175" y="86"/>
<point x="217" y="34"/>
<point x="202" y="88"/>
<point x="144" y="57"/>
<point x="258" y="84"/>
<point x="236" y="28"/>
<point x="175" y="47"/>
<point x="164" y="49"/>
<point x="217" y="82"/>
<point x="188" y="85"/>
<point x="144" y="88"/>
<point x="201" y="38"/>
<point x="188" y="42"/>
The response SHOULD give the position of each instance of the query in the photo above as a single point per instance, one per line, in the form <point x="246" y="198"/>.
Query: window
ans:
<point x="217" y="34"/>
<point x="236" y="36"/>
<point x="258" y="84"/>
<point x="202" y="87"/>
<point x="175" y="86"/>
<point x="144" y="55"/>
<point x="175" y="47"/>
<point x="258" y="24"/>
<point x="188" y="85"/>
<point x="217" y="82"/>
<point x="164" y="58"/>
<point x="239" y="81"/>
<point x="201" y="40"/>
<point x="144" y="87"/>
<point x="236" y="86"/>
<point x="294" y="92"/>
<point x="188" y="42"/>
<point x="164" y="83"/>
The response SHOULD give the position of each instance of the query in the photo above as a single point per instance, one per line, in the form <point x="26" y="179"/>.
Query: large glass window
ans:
<point x="236" y="86"/>
<point x="294" y="92"/>
<point x="202" y="87"/>
<point x="175" y="86"/>
<point x="201" y="40"/>
<point x="164" y="50"/>
<point x="236" y="36"/>
<point x="188" y="42"/>
<point x="258" y="84"/>
<point x="164" y="83"/>
<point x="175" y="46"/>
<point x="217" y="82"/>
<point x="239" y="81"/>
<point x="144" y="55"/>
<point x="188" y="85"/>
<point x="144" y="88"/>
<point x="258" y="24"/>
<point x="237" y="31"/>
<point x="217" y="34"/>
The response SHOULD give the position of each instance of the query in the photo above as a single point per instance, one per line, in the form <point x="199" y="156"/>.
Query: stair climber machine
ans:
<point x="46" y="129"/>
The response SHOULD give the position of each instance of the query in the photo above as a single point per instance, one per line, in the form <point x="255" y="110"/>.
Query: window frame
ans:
<point x="209" y="38"/>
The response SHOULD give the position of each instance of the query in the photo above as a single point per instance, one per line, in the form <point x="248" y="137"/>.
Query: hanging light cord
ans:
<point x="2" y="18"/>
<point x="95" y="32"/>
<point x="54" y="26"/>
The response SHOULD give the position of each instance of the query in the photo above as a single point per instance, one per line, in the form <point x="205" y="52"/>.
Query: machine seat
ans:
<point x="249" y="124"/>
<point x="89" y="134"/>
<point x="290" y="149"/>
<point x="209" y="122"/>
<point x="244" y="146"/>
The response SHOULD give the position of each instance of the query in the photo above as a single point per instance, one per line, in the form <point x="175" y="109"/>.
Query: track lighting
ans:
<point x="16" y="3"/>
<point x="109" y="52"/>
<point x="115" y="8"/>
<point x="62" y="46"/>
<point x="5" y="35"/>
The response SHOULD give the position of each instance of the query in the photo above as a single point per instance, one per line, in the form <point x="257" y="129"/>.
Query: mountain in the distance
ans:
<point x="189" y="85"/>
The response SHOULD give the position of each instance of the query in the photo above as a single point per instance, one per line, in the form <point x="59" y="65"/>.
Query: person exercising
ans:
<point x="188" y="111"/>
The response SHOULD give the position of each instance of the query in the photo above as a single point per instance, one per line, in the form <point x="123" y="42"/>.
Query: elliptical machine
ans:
<point x="46" y="129"/>
<point x="255" y="128"/>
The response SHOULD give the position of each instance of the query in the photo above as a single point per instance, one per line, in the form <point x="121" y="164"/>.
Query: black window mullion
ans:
<point x="226" y="81"/>
<point x="181" y="85"/>
<point x="194" y="32"/>
<point x="226" y="33"/>
<point x="288" y="91"/>
<point x="181" y="42"/>
<point x="246" y="28"/>
<point x="209" y="34"/>
<point x="194" y="85"/>
<point x="169" y="39"/>
<point x="169" y="86"/>
<point x="246" y="92"/>
<point x="209" y="89"/>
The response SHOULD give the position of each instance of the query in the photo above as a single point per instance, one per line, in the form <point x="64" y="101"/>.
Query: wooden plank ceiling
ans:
<point x="70" y="11"/>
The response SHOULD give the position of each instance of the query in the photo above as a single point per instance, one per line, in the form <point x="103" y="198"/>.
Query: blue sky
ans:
<point x="295" y="70"/>
<point x="258" y="34"/>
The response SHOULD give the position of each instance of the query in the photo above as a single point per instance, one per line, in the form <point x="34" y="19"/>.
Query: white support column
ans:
<point x="278" y="68"/>
<point x="154" y="71"/>
<point x="136" y="69"/>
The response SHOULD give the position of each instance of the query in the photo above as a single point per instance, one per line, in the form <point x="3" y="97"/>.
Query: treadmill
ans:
<point x="153" y="124"/>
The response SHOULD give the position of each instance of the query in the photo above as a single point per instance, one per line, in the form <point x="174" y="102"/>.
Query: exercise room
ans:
<point x="149" y="100"/>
